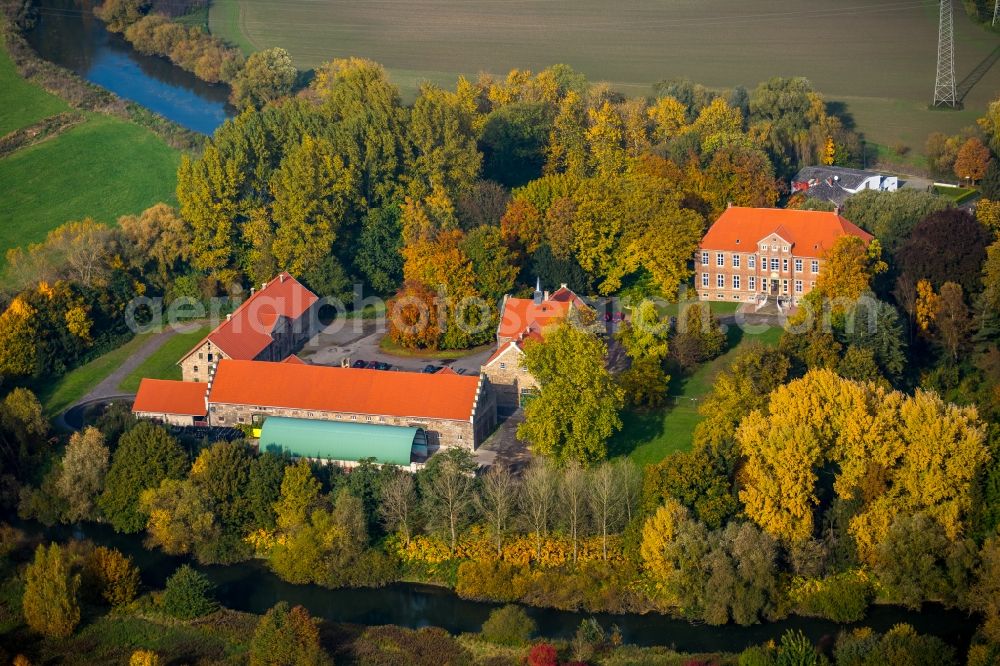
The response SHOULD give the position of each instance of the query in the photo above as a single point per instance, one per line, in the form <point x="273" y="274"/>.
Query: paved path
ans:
<point x="359" y="341"/>
<point x="107" y="388"/>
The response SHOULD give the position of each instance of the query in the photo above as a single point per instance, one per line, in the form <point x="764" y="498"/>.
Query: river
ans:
<point x="68" y="34"/>
<point x="251" y="587"/>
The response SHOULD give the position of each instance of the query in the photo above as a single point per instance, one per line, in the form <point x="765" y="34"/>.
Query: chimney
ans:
<point x="263" y="285"/>
<point x="546" y="294"/>
<point x="562" y="285"/>
<point x="252" y="290"/>
<point x="729" y="204"/>
<point x="538" y="291"/>
<point x="229" y="317"/>
<point x="281" y="277"/>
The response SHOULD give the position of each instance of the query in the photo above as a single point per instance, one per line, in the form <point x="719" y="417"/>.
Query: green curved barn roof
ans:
<point x="339" y="440"/>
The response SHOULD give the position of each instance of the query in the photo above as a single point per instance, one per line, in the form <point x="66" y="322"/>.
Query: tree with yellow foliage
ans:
<point x="567" y="150"/>
<point x="669" y="118"/>
<point x="606" y="140"/>
<point x="144" y="658"/>
<point x="829" y="151"/>
<point x="848" y="269"/>
<point x="18" y="336"/>
<point x="658" y="532"/>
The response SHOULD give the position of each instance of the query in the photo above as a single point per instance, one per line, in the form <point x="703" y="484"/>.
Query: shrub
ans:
<point x="509" y="625"/>
<point x="50" y="604"/>
<point x="144" y="658"/>
<point x="112" y="575"/>
<point x="188" y="594"/>
<point x="757" y="655"/>
<point x="488" y="580"/>
<point x="543" y="654"/>
<point x="287" y="637"/>
<point x="843" y="597"/>
<point x="396" y="646"/>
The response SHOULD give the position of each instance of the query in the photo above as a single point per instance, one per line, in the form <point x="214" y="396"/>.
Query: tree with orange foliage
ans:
<point x="521" y="226"/>
<point x="972" y="160"/>
<point x="413" y="317"/>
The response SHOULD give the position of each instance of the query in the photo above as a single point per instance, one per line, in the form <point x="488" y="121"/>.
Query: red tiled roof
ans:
<point x="294" y="360"/>
<point x="248" y="331"/>
<point x="349" y="390"/>
<point x="520" y="314"/>
<point x="165" y="396"/>
<point x="446" y="371"/>
<point x="810" y="232"/>
<point x="566" y="295"/>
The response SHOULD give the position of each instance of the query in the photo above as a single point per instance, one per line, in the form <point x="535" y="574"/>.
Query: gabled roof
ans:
<point x="810" y="232"/>
<point x="566" y="295"/>
<point x="292" y="358"/>
<point x="522" y="314"/>
<point x="503" y="349"/>
<point x="847" y="178"/>
<point x="165" y="396"/>
<point x="247" y="332"/>
<point x="347" y="390"/>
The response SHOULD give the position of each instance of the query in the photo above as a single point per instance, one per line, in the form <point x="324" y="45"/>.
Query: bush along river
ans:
<point x="67" y="33"/>
<point x="251" y="587"/>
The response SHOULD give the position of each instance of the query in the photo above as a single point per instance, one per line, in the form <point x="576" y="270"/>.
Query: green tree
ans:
<point x="181" y="518"/>
<point x="287" y="637"/>
<point x="264" y="487"/>
<point x="84" y="466"/>
<point x="447" y="492"/>
<point x="188" y="594"/>
<point x="266" y="76"/>
<point x="492" y="262"/>
<point x="891" y="216"/>
<point x="444" y="145"/>
<point x="50" y="601"/>
<point x="146" y="455"/>
<point x="576" y="410"/>
<point x="379" y="247"/>
<point x="299" y="496"/>
<point x="312" y="190"/>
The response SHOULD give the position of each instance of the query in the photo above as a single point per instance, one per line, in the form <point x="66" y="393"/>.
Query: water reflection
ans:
<point x="68" y="34"/>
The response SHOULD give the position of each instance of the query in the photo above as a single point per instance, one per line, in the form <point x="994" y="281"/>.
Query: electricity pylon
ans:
<point x="944" y="83"/>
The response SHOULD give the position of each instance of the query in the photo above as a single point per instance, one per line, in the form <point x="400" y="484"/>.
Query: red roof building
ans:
<point x="269" y="326"/>
<point x="452" y="409"/>
<point x="523" y="320"/>
<point x="178" y="403"/>
<point x="751" y="254"/>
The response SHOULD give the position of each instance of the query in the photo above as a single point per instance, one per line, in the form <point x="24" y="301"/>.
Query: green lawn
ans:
<point x="162" y="364"/>
<point x="22" y="103"/>
<point x="103" y="168"/>
<point x="649" y="436"/>
<point x="959" y="195"/>
<point x="63" y="392"/>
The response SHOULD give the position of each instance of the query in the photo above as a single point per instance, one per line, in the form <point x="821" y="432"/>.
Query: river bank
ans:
<point x="250" y="587"/>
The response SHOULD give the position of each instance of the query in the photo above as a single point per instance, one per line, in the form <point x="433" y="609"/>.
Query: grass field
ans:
<point x="102" y="169"/>
<point x="876" y="57"/>
<point x="649" y="436"/>
<point x="162" y="364"/>
<point x="22" y="103"/>
<point x="57" y="395"/>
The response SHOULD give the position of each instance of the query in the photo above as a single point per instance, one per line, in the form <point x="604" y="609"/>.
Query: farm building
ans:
<point x="838" y="184"/>
<point x="757" y="254"/>
<point x="172" y="402"/>
<point x="269" y="326"/>
<point x="523" y="320"/>
<point x="450" y="409"/>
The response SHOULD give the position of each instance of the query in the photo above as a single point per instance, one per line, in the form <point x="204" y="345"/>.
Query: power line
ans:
<point x="944" y="82"/>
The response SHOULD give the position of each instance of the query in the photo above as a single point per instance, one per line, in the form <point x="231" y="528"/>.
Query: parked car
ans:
<point x="381" y="365"/>
<point x="430" y="369"/>
<point x="360" y="364"/>
<point x="372" y="365"/>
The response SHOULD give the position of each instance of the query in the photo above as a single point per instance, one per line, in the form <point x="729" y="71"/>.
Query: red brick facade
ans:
<point x="750" y="253"/>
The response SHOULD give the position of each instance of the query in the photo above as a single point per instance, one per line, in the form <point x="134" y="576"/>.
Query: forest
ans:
<point x="848" y="465"/>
